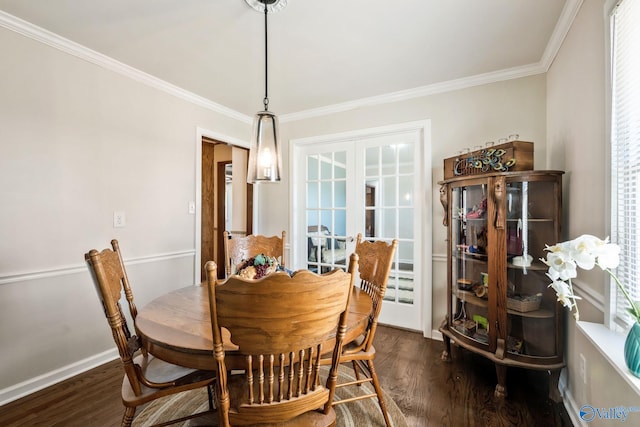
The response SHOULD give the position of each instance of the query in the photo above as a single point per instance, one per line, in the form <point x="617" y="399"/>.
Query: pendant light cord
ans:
<point x="266" y="96"/>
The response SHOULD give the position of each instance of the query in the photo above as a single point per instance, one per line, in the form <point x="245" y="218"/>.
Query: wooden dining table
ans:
<point x="176" y="327"/>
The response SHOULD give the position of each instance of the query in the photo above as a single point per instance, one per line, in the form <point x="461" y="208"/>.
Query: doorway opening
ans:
<point x="226" y="199"/>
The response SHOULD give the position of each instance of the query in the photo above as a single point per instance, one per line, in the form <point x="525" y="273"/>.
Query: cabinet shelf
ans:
<point x="535" y="266"/>
<point x="482" y="258"/>
<point x="509" y="220"/>
<point x="471" y="298"/>
<point x="540" y="313"/>
<point x="470" y="256"/>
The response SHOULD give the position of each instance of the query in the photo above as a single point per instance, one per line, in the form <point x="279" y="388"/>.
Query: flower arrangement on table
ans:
<point x="257" y="267"/>
<point x="585" y="252"/>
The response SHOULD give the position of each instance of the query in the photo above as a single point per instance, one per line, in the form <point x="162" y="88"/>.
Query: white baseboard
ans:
<point x="569" y="402"/>
<point x="32" y="385"/>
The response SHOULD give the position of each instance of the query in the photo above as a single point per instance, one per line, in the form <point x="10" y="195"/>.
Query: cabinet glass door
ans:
<point x="531" y="212"/>
<point x="469" y="293"/>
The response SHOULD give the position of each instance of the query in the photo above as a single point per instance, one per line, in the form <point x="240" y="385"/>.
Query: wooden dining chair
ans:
<point x="374" y="265"/>
<point x="239" y="249"/>
<point x="279" y="323"/>
<point x="146" y="378"/>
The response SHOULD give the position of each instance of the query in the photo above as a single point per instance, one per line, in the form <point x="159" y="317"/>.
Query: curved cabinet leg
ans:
<point x="446" y="353"/>
<point x="501" y="387"/>
<point x="554" y="393"/>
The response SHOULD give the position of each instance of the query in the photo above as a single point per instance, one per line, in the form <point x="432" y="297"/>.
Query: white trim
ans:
<point x="74" y="269"/>
<point x="569" y="402"/>
<point x="360" y="133"/>
<point x="436" y="88"/>
<point x="41" y="35"/>
<point x="16" y="391"/>
<point x="563" y="25"/>
<point x="206" y="133"/>
<point x="569" y="13"/>
<point x="439" y="258"/>
<point x="610" y="302"/>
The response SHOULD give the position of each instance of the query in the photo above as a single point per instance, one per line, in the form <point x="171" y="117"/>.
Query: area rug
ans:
<point x="361" y="413"/>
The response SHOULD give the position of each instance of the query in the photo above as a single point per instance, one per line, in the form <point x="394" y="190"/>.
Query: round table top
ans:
<point x="176" y="326"/>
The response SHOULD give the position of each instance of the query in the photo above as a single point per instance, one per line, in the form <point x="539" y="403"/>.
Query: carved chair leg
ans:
<point x="356" y="371"/>
<point x="376" y="385"/>
<point x="127" y="418"/>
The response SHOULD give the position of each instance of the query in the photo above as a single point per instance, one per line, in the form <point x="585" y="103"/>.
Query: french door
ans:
<point x="372" y="183"/>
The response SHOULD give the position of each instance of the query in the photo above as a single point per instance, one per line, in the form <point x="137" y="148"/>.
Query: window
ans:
<point x="625" y="150"/>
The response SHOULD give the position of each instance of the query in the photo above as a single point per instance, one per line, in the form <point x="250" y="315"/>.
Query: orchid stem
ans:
<point x="577" y="313"/>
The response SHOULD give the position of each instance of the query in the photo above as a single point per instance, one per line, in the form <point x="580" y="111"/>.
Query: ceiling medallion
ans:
<point x="272" y="5"/>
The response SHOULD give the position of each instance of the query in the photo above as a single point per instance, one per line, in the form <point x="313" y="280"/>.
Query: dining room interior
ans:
<point x="134" y="123"/>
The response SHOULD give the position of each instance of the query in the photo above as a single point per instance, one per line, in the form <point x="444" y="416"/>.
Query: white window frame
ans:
<point x="615" y="316"/>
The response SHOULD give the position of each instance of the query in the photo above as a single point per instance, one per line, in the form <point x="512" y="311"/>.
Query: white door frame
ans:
<point x="423" y="167"/>
<point x="200" y="133"/>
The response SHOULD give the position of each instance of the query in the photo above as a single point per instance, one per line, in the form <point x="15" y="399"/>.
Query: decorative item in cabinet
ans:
<point x="499" y="303"/>
<point x="510" y="156"/>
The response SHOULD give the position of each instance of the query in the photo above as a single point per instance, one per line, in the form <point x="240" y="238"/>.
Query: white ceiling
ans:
<point x="321" y="53"/>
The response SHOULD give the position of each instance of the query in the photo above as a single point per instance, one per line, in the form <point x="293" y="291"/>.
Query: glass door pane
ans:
<point x="470" y="285"/>
<point x="389" y="210"/>
<point x="326" y="211"/>
<point x="531" y="306"/>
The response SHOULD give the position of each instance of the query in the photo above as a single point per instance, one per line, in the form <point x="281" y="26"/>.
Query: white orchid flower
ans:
<point x="561" y="266"/>
<point x="585" y="252"/>
<point x="564" y="293"/>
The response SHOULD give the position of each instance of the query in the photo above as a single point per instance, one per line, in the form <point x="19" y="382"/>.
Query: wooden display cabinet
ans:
<point x="499" y="302"/>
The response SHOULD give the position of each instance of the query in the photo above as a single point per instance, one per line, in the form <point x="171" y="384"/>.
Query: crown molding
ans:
<point x="560" y="31"/>
<point x="41" y="35"/>
<point x="562" y="27"/>
<point x="569" y="13"/>
<point x="403" y="95"/>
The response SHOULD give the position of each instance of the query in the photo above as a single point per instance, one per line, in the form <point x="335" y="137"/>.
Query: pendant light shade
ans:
<point x="265" y="162"/>
<point x="264" y="157"/>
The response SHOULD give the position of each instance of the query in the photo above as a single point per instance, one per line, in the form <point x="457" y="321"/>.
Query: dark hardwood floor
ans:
<point x="429" y="391"/>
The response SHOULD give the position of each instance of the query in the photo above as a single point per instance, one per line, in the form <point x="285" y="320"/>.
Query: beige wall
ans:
<point x="78" y="142"/>
<point x="577" y="143"/>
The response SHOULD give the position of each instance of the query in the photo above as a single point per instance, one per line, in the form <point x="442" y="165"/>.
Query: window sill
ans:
<point x="611" y="345"/>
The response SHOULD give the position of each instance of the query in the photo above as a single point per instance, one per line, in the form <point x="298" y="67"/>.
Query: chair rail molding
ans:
<point x="82" y="268"/>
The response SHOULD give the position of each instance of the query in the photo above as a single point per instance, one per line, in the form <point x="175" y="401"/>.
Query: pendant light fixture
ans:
<point x="265" y="161"/>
